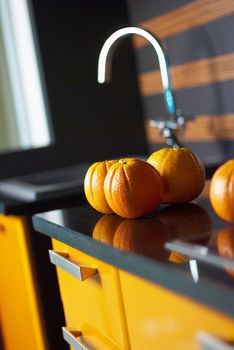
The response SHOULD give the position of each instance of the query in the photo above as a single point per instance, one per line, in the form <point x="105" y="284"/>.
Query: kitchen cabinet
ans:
<point x="96" y="296"/>
<point x="21" y="319"/>
<point x="142" y="295"/>
<point x="30" y="304"/>
<point x="157" y="316"/>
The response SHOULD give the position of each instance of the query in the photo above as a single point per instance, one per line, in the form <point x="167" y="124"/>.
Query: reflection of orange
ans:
<point x="105" y="228"/>
<point x="225" y="245"/>
<point x="93" y="186"/>
<point x="186" y="219"/>
<point x="143" y="236"/>
<point x="222" y="191"/>
<point x="179" y="258"/>
<point x="182" y="171"/>
<point x="133" y="188"/>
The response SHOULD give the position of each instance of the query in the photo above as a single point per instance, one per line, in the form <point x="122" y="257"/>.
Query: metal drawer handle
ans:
<point x="62" y="260"/>
<point x="71" y="338"/>
<point x="209" y="342"/>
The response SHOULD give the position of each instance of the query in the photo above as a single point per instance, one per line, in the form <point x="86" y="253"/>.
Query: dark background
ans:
<point x="93" y="122"/>
<point x="90" y="121"/>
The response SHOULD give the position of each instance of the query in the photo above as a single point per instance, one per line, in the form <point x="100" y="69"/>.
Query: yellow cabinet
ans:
<point x="97" y="298"/>
<point x="21" y="322"/>
<point x="79" y="331"/>
<point x="160" y="319"/>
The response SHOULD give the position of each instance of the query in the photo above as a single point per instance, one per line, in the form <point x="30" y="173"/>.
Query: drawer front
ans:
<point x="97" y="298"/>
<point x="158" y="318"/>
<point x="79" y="334"/>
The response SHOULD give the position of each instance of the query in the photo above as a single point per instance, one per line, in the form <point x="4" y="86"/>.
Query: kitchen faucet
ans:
<point x="175" y="117"/>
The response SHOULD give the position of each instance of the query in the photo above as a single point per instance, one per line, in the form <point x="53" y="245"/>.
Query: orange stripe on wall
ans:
<point x="202" y="128"/>
<point x="194" y="14"/>
<point x="197" y="73"/>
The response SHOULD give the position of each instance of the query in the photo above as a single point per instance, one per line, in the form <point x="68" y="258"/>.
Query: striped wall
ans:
<point x="199" y="37"/>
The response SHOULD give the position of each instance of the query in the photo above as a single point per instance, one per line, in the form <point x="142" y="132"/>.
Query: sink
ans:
<point x="46" y="184"/>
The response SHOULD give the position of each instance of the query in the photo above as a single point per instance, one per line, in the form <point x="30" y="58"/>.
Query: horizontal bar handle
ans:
<point x="199" y="252"/>
<point x="71" y="336"/>
<point x="61" y="259"/>
<point x="209" y="342"/>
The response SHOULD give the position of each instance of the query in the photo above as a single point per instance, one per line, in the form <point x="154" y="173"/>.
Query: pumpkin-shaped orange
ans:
<point x="133" y="188"/>
<point x="105" y="228"/>
<point x="225" y="245"/>
<point x="182" y="171"/>
<point x="94" y="186"/>
<point x="222" y="191"/>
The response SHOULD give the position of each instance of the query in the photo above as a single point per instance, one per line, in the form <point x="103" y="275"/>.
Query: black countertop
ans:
<point x="138" y="246"/>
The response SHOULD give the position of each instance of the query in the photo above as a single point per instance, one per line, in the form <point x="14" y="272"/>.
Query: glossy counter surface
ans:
<point x="138" y="246"/>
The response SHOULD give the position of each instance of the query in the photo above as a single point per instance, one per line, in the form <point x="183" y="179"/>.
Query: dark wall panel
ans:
<point x="90" y="121"/>
<point x="212" y="39"/>
<point x="198" y="36"/>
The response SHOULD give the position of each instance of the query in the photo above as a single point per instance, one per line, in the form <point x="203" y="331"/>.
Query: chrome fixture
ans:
<point x="175" y="118"/>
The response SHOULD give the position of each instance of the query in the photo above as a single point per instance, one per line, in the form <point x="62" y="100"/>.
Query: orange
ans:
<point x="222" y="191"/>
<point x="143" y="236"/>
<point x="105" y="228"/>
<point x="182" y="171"/>
<point x="133" y="188"/>
<point x="94" y="186"/>
<point x="225" y="245"/>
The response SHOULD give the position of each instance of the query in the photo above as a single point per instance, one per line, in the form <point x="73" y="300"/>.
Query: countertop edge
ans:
<point x="169" y="277"/>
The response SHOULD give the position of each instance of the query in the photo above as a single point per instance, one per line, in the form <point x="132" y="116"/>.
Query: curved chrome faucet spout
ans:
<point x="104" y="62"/>
<point x="104" y="75"/>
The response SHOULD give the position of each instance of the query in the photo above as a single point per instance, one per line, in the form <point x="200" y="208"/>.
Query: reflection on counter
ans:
<point x="225" y="246"/>
<point x="188" y="219"/>
<point x="105" y="228"/>
<point x="147" y="236"/>
<point x="180" y="234"/>
<point x="144" y="236"/>
<point x="140" y="236"/>
<point x="215" y="248"/>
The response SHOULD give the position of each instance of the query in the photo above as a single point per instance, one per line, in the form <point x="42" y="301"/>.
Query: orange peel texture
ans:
<point x="222" y="191"/>
<point x="94" y="186"/>
<point x="182" y="171"/>
<point x="133" y="188"/>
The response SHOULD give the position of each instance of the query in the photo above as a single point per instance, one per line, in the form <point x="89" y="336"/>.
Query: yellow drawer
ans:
<point x="97" y="298"/>
<point x="160" y="319"/>
<point x="79" y="331"/>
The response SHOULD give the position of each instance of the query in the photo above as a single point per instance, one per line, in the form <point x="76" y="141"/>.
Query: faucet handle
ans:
<point x="169" y="127"/>
<point x="175" y="122"/>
